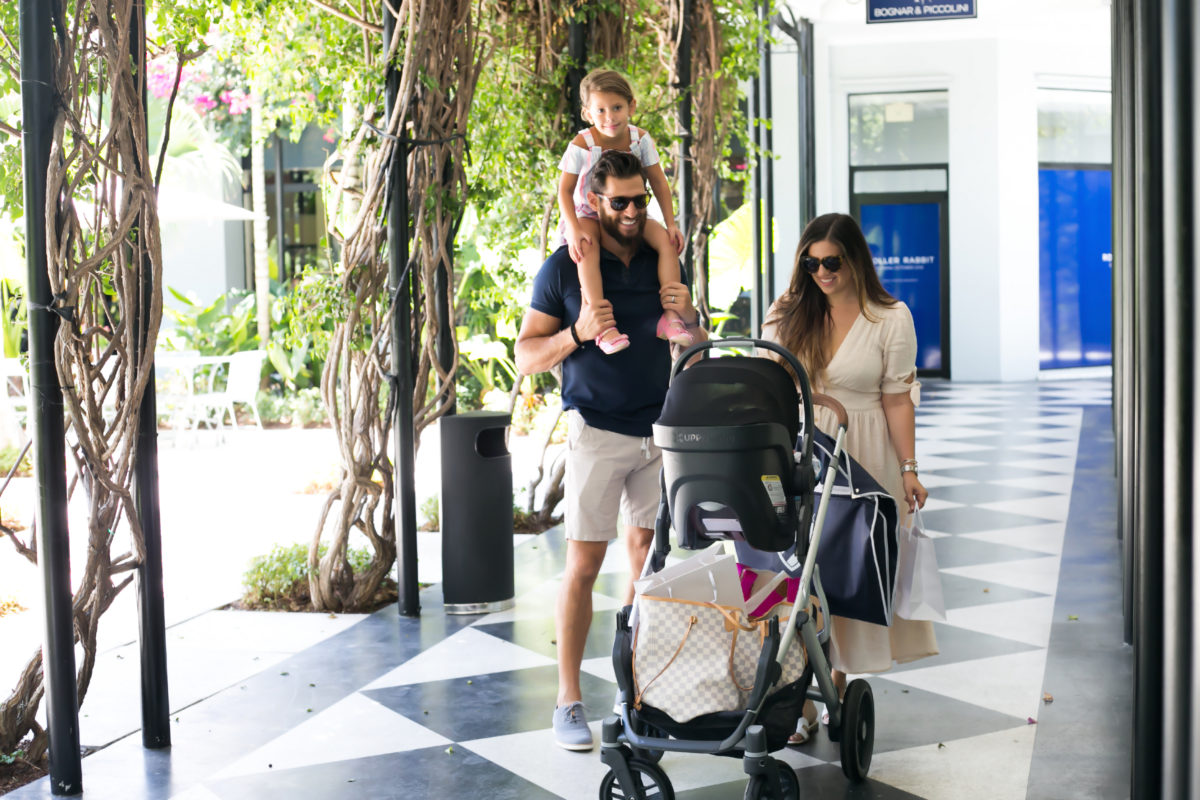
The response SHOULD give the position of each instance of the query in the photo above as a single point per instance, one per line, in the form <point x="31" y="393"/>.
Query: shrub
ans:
<point x="279" y="580"/>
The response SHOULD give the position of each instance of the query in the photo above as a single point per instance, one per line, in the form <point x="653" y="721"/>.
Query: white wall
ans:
<point x="991" y="68"/>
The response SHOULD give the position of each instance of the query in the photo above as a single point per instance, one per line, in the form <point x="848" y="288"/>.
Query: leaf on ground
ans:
<point x="449" y="751"/>
<point x="986" y="590"/>
<point x="941" y="746"/>
<point x="1030" y="721"/>
<point x="1047" y="698"/>
<point x="1072" y="617"/>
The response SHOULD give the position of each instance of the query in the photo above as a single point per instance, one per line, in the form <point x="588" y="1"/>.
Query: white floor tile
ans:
<point x="927" y="432"/>
<point x="600" y="667"/>
<point x="1063" y="466"/>
<point x="936" y="504"/>
<point x="1042" y="538"/>
<point x="1067" y="448"/>
<point x="1009" y="684"/>
<point x="1034" y="574"/>
<point x="938" y="447"/>
<point x="962" y="767"/>
<point x="1062" y="484"/>
<point x="1054" y="507"/>
<point x="468" y="652"/>
<point x="336" y="734"/>
<point x="932" y="463"/>
<point x="1027" y="621"/>
<point x="932" y="481"/>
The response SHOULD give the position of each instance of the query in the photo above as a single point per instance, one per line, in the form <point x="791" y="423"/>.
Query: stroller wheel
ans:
<point x="654" y="783"/>
<point x="789" y="787"/>
<point x="858" y="730"/>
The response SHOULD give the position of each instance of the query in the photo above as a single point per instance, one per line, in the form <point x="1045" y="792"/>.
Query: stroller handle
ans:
<point x="834" y="405"/>
<point x="806" y="393"/>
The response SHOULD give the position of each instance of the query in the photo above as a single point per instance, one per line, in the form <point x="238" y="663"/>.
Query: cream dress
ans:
<point x="876" y="358"/>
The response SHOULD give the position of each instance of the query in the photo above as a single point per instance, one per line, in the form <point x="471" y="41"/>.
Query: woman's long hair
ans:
<point x="801" y="315"/>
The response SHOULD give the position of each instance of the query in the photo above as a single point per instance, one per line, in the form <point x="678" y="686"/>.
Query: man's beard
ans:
<point x="612" y="226"/>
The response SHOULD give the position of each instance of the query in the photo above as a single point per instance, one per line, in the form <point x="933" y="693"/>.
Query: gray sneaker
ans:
<point x="571" y="728"/>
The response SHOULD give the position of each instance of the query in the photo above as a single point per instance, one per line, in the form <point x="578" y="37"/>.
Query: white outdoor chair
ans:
<point x="242" y="376"/>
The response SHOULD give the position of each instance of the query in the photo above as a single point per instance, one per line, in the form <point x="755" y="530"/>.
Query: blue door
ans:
<point x="1075" y="211"/>
<point x="907" y="240"/>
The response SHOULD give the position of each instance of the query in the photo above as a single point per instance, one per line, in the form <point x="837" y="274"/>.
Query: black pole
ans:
<point x="1175" y="34"/>
<point x="1124" y="331"/>
<point x="399" y="284"/>
<point x="443" y="291"/>
<point x="280" y="214"/>
<point x="764" y="17"/>
<point x="49" y="463"/>
<point x="1146" y="777"/>
<point x="683" y="61"/>
<point x="152" y="626"/>
<point x="756" y="298"/>
<point x="577" y="31"/>
<point x="807" y="123"/>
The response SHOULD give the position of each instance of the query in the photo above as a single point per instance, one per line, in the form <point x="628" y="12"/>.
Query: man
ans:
<point x="611" y="400"/>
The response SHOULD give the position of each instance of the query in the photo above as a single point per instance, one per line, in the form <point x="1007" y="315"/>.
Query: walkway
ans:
<point x="438" y="707"/>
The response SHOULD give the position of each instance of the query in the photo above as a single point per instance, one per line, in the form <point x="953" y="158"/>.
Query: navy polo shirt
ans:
<point x="622" y="392"/>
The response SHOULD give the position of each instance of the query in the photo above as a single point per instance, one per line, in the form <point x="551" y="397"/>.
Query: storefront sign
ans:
<point x="918" y="10"/>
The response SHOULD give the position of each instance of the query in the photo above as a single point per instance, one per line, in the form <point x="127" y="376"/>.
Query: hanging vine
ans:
<point x="102" y="237"/>
<point x="438" y="54"/>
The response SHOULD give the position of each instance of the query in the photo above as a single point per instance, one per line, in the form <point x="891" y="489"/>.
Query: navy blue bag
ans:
<point x="859" y="550"/>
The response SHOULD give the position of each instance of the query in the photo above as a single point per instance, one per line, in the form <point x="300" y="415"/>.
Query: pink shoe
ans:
<point x="613" y="345"/>
<point x="673" y="330"/>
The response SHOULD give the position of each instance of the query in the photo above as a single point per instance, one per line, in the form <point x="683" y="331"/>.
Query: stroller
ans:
<point x="725" y="423"/>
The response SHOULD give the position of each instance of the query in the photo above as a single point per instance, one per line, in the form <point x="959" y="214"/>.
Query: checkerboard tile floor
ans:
<point x="445" y="706"/>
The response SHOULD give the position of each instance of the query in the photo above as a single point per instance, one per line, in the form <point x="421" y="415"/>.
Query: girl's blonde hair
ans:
<point x="605" y="80"/>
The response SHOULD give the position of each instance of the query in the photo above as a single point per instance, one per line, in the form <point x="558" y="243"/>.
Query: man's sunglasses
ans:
<point x="811" y="264"/>
<point x="620" y="203"/>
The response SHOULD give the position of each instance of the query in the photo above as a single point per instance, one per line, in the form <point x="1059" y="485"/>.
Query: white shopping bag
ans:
<point x="918" y="582"/>
<point x="710" y="577"/>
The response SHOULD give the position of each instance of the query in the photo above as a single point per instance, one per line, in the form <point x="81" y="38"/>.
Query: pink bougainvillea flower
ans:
<point x="204" y="103"/>
<point x="237" y="100"/>
<point x="330" y="135"/>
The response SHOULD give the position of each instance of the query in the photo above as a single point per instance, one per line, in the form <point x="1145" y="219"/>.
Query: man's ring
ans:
<point x="670" y="298"/>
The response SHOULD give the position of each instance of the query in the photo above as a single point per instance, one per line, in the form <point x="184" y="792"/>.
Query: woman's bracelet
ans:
<point x="908" y="465"/>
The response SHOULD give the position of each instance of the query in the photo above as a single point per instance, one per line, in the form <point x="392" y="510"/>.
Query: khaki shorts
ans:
<point x="608" y="473"/>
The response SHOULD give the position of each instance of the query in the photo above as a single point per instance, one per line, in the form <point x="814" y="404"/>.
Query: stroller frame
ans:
<point x="631" y="744"/>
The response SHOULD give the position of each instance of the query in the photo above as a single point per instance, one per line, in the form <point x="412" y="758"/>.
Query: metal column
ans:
<point x="768" y="185"/>
<point x="152" y="627"/>
<point x="683" y="70"/>
<point x="49" y="463"/>
<point x="1178" y="362"/>
<point x="401" y="380"/>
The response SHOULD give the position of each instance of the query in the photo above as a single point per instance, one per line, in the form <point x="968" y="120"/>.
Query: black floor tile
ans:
<point x="494" y="704"/>
<point x="428" y="773"/>
<point x="989" y="472"/>
<point x="962" y="592"/>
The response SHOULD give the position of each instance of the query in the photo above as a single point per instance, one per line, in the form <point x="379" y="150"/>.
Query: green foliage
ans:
<point x="430" y="512"/>
<point x="9" y="759"/>
<point x="8" y="457"/>
<point x="271" y="580"/>
<point x="211" y="330"/>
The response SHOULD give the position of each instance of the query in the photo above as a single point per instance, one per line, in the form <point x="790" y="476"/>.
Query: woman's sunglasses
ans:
<point x="621" y="203"/>
<point x="811" y="264"/>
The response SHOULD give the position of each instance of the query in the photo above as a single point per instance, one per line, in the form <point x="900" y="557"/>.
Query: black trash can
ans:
<point x="476" y="513"/>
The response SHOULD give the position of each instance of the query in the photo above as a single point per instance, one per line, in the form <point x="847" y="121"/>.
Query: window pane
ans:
<point x="899" y="180"/>
<point x="899" y="128"/>
<point x="1074" y="127"/>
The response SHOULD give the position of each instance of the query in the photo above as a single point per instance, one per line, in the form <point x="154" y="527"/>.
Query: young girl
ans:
<point x="608" y="103"/>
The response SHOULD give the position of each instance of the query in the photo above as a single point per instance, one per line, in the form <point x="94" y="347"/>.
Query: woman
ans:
<point x="858" y="345"/>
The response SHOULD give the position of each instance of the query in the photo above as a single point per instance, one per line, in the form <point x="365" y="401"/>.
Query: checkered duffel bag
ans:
<point x="692" y="658"/>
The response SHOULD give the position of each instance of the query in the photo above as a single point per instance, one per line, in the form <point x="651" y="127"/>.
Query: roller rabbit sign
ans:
<point x="918" y="10"/>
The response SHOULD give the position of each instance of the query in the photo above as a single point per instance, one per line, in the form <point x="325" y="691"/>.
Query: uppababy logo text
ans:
<point x="689" y="437"/>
